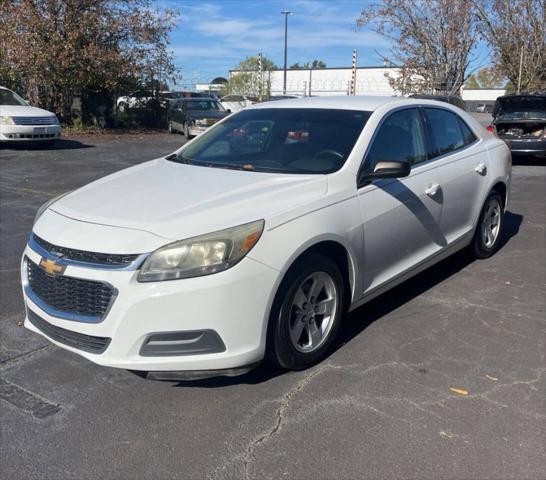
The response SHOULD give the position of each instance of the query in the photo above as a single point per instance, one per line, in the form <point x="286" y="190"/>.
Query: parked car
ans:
<point x="274" y="98"/>
<point x="192" y="116"/>
<point x="520" y="120"/>
<point x="484" y="108"/>
<point x="254" y="239"/>
<point x="141" y="98"/>
<point x="21" y="122"/>
<point x="451" y="99"/>
<point x="237" y="102"/>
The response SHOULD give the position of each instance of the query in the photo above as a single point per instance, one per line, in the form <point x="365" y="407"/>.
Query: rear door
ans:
<point x="464" y="169"/>
<point x="401" y="217"/>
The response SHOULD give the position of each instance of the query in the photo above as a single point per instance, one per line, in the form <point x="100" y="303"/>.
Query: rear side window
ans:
<point x="399" y="138"/>
<point x="468" y="135"/>
<point x="445" y="131"/>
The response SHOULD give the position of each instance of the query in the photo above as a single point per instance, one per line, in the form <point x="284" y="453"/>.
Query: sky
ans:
<point x="213" y="36"/>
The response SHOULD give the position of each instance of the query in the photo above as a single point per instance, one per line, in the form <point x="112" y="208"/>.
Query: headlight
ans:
<point x="5" y="120"/>
<point x="47" y="204"/>
<point x="55" y="120"/>
<point x="201" y="122"/>
<point x="203" y="255"/>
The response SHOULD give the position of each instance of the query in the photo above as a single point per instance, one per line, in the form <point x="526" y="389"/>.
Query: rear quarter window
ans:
<point x="445" y="131"/>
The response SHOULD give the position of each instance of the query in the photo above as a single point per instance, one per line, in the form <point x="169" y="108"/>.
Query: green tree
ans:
<point x="313" y="64"/>
<point x="487" y="77"/>
<point x="246" y="78"/>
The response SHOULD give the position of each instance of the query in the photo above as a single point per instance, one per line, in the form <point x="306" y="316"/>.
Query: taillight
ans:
<point x="491" y="129"/>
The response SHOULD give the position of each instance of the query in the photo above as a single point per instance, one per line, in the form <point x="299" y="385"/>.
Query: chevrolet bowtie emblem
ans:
<point x="51" y="267"/>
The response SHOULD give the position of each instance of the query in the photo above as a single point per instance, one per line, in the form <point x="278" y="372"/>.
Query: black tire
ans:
<point x="123" y="107"/>
<point x="280" y="350"/>
<point x="480" y="247"/>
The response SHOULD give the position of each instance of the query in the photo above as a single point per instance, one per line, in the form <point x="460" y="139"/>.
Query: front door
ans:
<point x="401" y="217"/>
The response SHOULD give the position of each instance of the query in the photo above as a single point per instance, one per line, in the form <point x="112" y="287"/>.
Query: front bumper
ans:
<point x="195" y="130"/>
<point x="24" y="133"/>
<point x="234" y="304"/>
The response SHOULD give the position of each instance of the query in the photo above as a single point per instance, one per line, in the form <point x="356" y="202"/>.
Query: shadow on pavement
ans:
<point x="358" y="320"/>
<point x="60" y="144"/>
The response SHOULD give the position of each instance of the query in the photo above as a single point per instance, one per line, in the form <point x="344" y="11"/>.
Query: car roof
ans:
<point x="358" y="102"/>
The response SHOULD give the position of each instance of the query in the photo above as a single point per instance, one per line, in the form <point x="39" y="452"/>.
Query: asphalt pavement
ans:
<point x="443" y="377"/>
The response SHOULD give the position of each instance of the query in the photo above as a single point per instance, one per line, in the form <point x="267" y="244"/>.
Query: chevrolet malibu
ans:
<point x="251" y="241"/>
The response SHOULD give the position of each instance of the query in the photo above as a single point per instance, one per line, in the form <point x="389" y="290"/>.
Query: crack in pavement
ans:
<point x="10" y="362"/>
<point x="247" y="456"/>
<point x="27" y="401"/>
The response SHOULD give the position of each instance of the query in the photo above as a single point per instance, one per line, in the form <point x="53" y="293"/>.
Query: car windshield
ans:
<point x="7" y="97"/>
<point x="529" y="115"/>
<point x="203" y="105"/>
<point x="281" y="140"/>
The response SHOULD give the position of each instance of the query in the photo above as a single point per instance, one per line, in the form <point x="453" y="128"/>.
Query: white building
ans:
<point x="331" y="81"/>
<point x="369" y="81"/>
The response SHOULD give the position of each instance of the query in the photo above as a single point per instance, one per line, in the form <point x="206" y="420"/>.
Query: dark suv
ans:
<point x="520" y="120"/>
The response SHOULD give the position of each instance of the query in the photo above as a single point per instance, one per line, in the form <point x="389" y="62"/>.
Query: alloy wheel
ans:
<point x="312" y="312"/>
<point x="490" y="227"/>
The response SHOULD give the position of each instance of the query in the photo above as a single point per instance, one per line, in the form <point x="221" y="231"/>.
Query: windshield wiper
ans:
<point x="173" y="157"/>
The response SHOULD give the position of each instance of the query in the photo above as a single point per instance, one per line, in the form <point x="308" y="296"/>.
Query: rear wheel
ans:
<point x="489" y="229"/>
<point x="306" y="314"/>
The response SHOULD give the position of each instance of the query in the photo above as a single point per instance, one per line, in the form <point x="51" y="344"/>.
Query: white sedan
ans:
<point x="255" y="238"/>
<point x="21" y="122"/>
<point x="235" y="103"/>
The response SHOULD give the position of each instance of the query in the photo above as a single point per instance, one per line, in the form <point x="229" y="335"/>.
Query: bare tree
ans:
<point x="51" y="49"/>
<point x="432" y="42"/>
<point x="516" y="33"/>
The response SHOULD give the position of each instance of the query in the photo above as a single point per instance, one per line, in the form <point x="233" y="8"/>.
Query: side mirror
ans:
<point x="386" y="169"/>
<point x="228" y="110"/>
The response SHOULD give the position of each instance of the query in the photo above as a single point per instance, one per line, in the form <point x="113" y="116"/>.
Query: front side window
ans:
<point x="445" y="131"/>
<point x="399" y="138"/>
<point x="282" y="140"/>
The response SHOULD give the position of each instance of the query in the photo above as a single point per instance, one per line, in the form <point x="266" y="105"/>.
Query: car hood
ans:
<point x="520" y="103"/>
<point x="23" y="111"/>
<point x="198" y="114"/>
<point x="177" y="201"/>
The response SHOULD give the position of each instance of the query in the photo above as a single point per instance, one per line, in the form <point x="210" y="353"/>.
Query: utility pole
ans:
<point x="520" y="67"/>
<point x="285" y="13"/>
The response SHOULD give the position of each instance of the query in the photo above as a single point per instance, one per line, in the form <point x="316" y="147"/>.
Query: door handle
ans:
<point x="481" y="168"/>
<point x="432" y="190"/>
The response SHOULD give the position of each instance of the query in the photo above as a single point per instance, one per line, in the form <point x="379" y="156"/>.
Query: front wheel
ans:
<point x="306" y="314"/>
<point x="489" y="229"/>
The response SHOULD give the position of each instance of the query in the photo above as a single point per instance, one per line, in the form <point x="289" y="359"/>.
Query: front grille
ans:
<point x="34" y="120"/>
<point x="113" y="259"/>
<point x="69" y="294"/>
<point x="77" y="340"/>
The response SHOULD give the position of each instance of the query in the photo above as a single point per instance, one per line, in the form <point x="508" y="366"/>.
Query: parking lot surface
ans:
<point x="443" y="377"/>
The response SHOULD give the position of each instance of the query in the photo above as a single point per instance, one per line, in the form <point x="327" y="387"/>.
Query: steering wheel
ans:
<point x="328" y="152"/>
